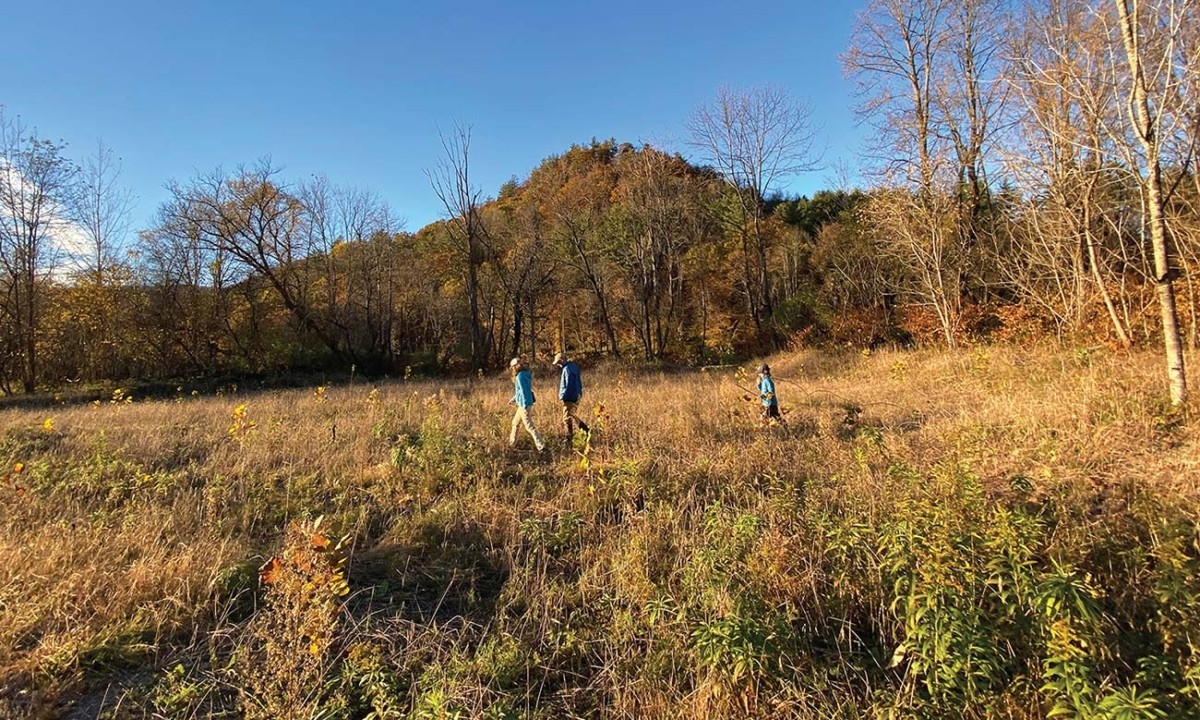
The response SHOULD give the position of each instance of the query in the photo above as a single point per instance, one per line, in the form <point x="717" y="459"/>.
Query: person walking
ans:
<point x="766" y="393"/>
<point x="570" y="391"/>
<point x="523" y="399"/>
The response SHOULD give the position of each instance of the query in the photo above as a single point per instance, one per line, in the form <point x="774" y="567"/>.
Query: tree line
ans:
<point x="1032" y="172"/>
<point x="1039" y="153"/>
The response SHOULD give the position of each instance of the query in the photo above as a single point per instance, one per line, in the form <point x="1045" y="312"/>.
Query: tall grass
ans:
<point x="997" y="533"/>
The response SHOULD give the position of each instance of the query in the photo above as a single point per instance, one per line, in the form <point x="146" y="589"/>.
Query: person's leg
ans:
<point x="575" y="417"/>
<point x="532" y="430"/>
<point x="512" y="433"/>
<point x="568" y="419"/>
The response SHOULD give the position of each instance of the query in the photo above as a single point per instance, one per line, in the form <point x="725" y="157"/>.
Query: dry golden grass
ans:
<point x="130" y="540"/>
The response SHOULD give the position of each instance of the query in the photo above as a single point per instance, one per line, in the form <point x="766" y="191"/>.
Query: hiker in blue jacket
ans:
<point x="570" y="391"/>
<point x="766" y="393"/>
<point x="523" y="399"/>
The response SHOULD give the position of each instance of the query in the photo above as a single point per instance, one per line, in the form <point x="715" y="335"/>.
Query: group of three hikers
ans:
<point x="570" y="392"/>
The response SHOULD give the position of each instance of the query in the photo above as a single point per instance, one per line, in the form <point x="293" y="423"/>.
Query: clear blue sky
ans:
<point x="358" y="90"/>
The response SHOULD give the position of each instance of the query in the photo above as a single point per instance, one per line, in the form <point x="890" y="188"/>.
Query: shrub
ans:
<point x="290" y="641"/>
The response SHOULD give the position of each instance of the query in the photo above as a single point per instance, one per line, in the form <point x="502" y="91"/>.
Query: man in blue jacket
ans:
<point x="570" y="391"/>
<point x="523" y="399"/>
<point x="766" y="393"/>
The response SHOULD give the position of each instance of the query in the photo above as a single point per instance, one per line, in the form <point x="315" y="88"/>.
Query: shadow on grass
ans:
<point x="434" y="574"/>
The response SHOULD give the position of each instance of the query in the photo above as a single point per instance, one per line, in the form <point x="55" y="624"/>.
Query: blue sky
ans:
<point x="358" y="90"/>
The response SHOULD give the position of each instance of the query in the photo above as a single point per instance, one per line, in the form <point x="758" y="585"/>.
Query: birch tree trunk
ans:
<point x="1145" y="122"/>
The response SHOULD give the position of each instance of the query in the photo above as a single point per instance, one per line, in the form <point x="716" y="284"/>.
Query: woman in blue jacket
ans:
<point x="523" y="399"/>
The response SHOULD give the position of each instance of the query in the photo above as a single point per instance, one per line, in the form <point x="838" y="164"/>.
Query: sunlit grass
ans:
<point x="683" y="556"/>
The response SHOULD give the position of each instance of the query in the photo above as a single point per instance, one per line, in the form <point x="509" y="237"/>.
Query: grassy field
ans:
<point x="999" y="533"/>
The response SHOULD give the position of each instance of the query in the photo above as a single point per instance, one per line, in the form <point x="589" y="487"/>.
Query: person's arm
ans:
<point x="563" y="382"/>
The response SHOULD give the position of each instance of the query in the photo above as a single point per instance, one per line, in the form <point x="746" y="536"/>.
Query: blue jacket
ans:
<point x="570" y="387"/>
<point x="766" y="391"/>
<point x="523" y="389"/>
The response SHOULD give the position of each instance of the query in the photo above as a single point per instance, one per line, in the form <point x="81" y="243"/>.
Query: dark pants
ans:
<point x="571" y="418"/>
<point x="771" y="412"/>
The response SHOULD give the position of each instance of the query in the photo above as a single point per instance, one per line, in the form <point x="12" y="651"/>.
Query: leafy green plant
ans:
<point x="366" y="688"/>
<point x="175" y="693"/>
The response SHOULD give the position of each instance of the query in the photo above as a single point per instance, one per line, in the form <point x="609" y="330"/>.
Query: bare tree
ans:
<point x="893" y="57"/>
<point x="348" y="262"/>
<point x="101" y="211"/>
<point x="968" y="99"/>
<point x="1055" y="154"/>
<point x="927" y="78"/>
<point x="755" y="138"/>
<point x="1188" y="235"/>
<point x="367" y="225"/>
<point x="1149" y="32"/>
<point x="36" y="181"/>
<point x="896" y="56"/>
<point x="188" y="288"/>
<point x="253" y="221"/>
<point x="451" y="181"/>
<point x="919" y="235"/>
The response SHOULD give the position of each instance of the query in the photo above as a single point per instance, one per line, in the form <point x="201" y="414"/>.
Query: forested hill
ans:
<point x="606" y="249"/>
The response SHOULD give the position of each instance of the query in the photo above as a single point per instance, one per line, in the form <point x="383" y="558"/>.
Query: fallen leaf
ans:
<point x="270" y="572"/>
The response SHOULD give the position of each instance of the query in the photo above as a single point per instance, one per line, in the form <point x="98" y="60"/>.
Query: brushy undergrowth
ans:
<point x="992" y="533"/>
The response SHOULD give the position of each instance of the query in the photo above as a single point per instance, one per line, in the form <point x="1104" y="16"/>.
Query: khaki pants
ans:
<point x="522" y="418"/>
<point x="571" y="418"/>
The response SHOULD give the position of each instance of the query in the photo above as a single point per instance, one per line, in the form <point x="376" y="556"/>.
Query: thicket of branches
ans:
<point x="1038" y="153"/>
<point x="1033" y="171"/>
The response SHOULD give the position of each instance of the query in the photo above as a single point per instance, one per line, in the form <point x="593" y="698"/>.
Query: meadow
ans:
<point x="995" y="532"/>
